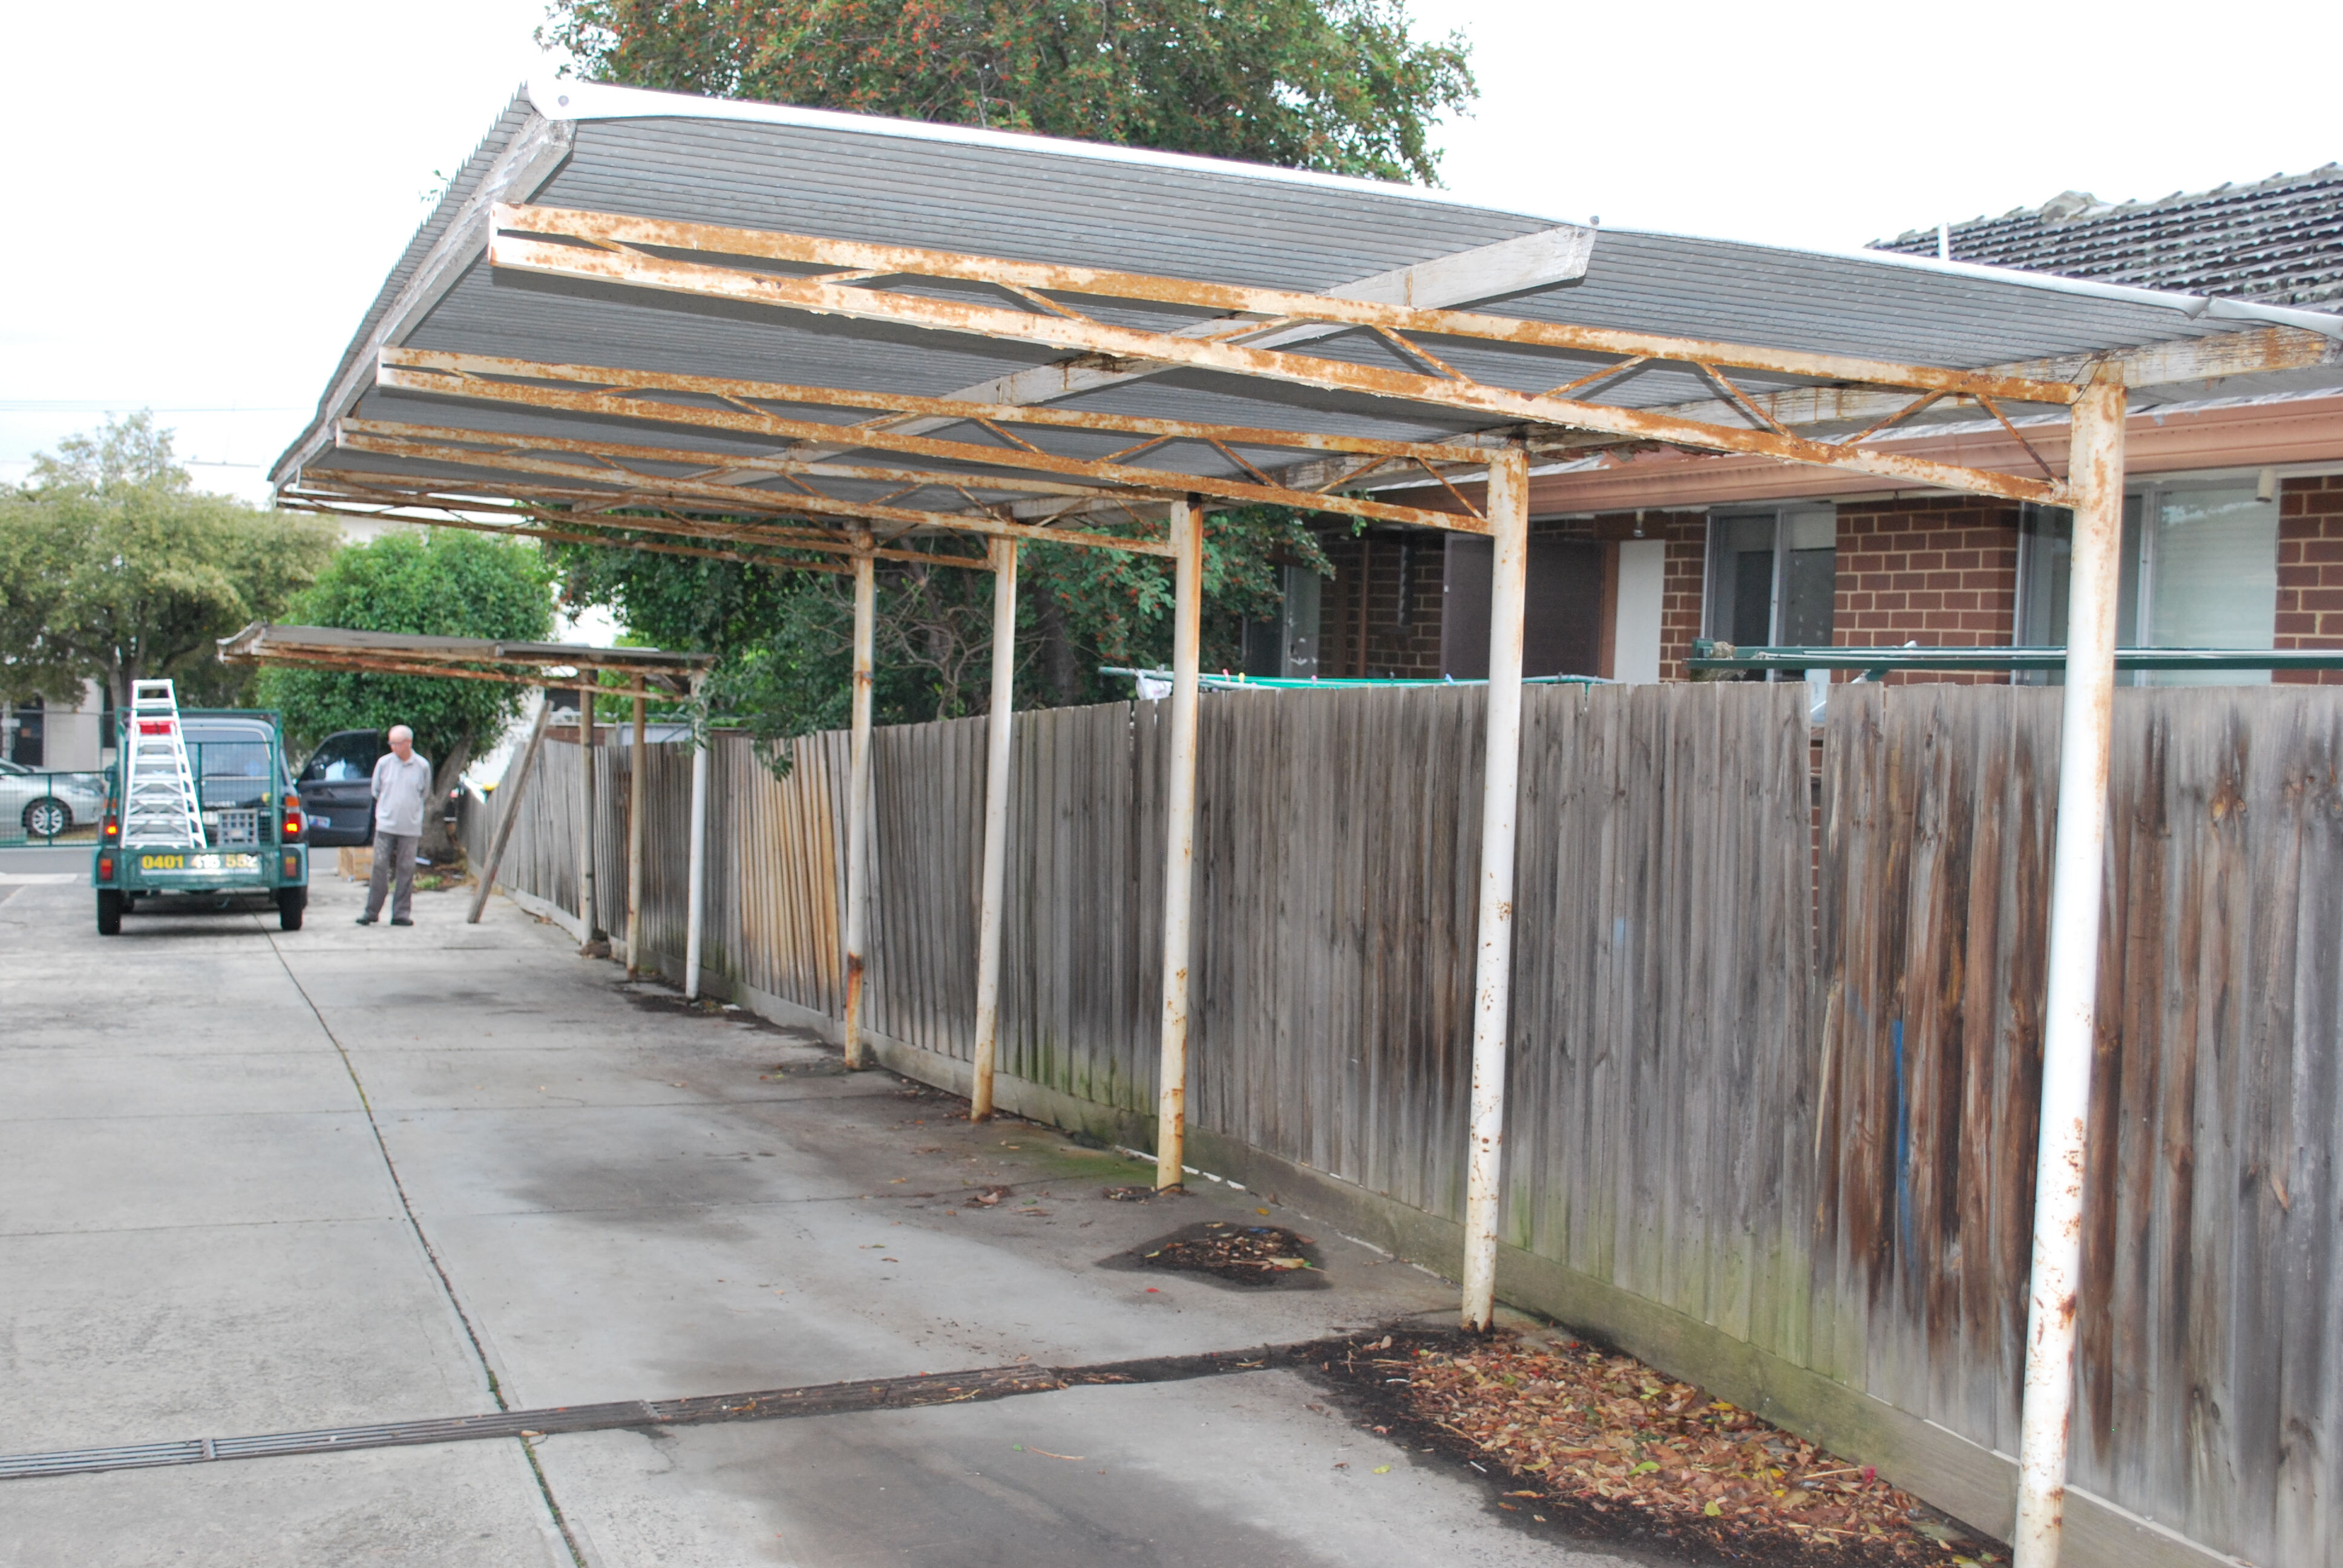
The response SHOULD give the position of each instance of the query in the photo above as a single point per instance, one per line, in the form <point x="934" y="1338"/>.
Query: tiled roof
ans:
<point x="2279" y="242"/>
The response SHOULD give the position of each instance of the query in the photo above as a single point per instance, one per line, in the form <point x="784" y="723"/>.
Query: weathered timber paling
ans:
<point x="1813" y="1137"/>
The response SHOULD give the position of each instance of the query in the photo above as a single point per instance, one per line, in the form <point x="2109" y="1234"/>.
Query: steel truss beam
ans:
<point x="401" y="498"/>
<point x="656" y="490"/>
<point x="856" y="291"/>
<point x="626" y="400"/>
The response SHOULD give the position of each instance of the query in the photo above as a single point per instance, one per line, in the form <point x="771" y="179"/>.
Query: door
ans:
<point x="336" y="789"/>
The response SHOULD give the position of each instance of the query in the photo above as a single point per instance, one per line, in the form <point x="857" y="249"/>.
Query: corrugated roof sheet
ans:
<point x="773" y="168"/>
<point x="2279" y="241"/>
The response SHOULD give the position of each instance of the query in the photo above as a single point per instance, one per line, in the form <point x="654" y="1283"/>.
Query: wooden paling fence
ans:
<point x="1773" y="1129"/>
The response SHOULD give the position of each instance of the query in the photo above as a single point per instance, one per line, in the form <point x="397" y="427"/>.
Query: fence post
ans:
<point x="634" y="847"/>
<point x="997" y="764"/>
<point x="2094" y="471"/>
<point x="858" y="795"/>
<point x="1509" y="527"/>
<point x="1179" y="841"/>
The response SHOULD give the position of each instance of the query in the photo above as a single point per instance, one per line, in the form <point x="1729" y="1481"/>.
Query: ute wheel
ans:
<point x="109" y="912"/>
<point x="290" y="902"/>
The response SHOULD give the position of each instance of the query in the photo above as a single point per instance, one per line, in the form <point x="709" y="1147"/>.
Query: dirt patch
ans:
<point x="1584" y="1439"/>
<point x="1248" y="1257"/>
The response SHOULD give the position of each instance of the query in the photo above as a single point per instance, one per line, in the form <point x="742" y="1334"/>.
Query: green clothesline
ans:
<point x="1226" y="682"/>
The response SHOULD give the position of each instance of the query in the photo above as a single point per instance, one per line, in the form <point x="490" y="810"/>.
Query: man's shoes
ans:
<point x="365" y="919"/>
<point x="397" y="921"/>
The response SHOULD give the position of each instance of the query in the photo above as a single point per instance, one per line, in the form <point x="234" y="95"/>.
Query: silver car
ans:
<point x="46" y="805"/>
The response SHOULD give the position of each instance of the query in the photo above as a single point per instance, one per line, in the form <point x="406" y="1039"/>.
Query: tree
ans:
<point x="1336" y="86"/>
<point x="115" y="569"/>
<point x="437" y="583"/>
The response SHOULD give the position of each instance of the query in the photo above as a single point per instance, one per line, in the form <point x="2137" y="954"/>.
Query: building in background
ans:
<point x="2234" y="521"/>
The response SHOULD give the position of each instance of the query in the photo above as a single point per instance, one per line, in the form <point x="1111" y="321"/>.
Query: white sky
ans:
<point x="207" y="196"/>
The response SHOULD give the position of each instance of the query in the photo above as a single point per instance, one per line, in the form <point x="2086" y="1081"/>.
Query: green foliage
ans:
<point x="1337" y="85"/>
<point x="436" y="582"/>
<point x="113" y="567"/>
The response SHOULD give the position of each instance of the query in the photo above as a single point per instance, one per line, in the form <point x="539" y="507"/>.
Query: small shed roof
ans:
<point x="650" y="672"/>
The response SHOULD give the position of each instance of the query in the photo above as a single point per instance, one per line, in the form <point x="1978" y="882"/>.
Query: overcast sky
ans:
<point x="205" y="197"/>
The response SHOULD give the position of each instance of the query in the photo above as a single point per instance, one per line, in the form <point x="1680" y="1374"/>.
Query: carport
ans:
<point x="820" y="340"/>
<point x="643" y="673"/>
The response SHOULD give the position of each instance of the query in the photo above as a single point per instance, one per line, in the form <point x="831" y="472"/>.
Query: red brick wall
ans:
<point x="1411" y="652"/>
<point x="1940" y="572"/>
<point x="2311" y="572"/>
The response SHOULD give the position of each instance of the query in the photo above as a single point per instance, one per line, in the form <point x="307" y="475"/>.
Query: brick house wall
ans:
<point x="2311" y="572"/>
<point x="1938" y="571"/>
<point x="1409" y="651"/>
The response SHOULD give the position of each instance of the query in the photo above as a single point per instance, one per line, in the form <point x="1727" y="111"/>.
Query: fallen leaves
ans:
<point x="1625" y="1447"/>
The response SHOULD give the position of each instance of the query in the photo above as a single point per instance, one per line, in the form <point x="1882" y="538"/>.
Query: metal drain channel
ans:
<point x="768" y="1404"/>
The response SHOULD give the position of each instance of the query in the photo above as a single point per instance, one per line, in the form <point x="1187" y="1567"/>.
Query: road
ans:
<point x="256" y="1182"/>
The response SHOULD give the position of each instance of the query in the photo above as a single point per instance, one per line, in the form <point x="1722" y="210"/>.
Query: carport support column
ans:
<point x="696" y="880"/>
<point x="996" y="765"/>
<point x="586" y="823"/>
<point x="1509" y="527"/>
<point x="634" y="847"/>
<point x="858" y="795"/>
<point x="1179" y="839"/>
<point x="2070" y="1010"/>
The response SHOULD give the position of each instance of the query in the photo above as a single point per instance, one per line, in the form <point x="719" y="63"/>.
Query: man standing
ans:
<point x="402" y="784"/>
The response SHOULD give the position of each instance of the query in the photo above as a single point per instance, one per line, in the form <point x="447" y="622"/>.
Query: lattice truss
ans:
<point x="785" y="473"/>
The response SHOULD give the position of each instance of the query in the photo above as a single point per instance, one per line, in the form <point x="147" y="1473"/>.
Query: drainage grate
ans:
<point x="766" y="1404"/>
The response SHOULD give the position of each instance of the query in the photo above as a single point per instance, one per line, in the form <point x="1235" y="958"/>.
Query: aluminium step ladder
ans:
<point x="160" y="808"/>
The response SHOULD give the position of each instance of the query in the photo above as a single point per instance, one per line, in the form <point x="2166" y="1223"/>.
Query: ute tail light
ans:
<point x="292" y="818"/>
<point x="105" y="867"/>
<point x="112" y="832"/>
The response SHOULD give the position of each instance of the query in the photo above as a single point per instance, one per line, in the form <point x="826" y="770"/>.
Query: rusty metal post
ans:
<point x="857" y="796"/>
<point x="2070" y="1010"/>
<point x="635" y="848"/>
<point x="508" y="808"/>
<point x="1179" y="839"/>
<point x="1509" y="527"/>
<point x="996" y="765"/>
<point x="586" y="823"/>
<point x="696" y="878"/>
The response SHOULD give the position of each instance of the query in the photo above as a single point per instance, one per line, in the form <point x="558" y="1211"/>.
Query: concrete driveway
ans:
<point x="255" y="1183"/>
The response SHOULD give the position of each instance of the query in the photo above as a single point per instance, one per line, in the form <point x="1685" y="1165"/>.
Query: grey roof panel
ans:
<point x="844" y="176"/>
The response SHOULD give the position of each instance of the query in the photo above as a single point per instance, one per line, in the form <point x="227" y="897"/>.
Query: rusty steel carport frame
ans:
<point x="1254" y="333"/>
<point x="647" y="671"/>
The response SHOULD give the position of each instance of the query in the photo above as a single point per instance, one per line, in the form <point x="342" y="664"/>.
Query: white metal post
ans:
<point x="858" y="795"/>
<point x="996" y="765"/>
<point x="2070" y="1009"/>
<point x="696" y="880"/>
<point x="634" y="847"/>
<point x="1179" y="839"/>
<point x="585" y="824"/>
<point x="1509" y="527"/>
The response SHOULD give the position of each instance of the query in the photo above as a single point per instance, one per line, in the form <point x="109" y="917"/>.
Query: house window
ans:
<point x="2199" y="569"/>
<point x="1772" y="576"/>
